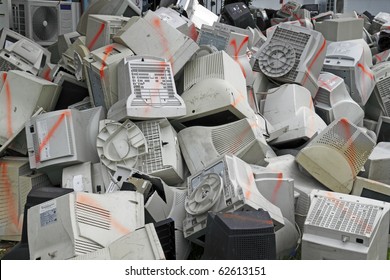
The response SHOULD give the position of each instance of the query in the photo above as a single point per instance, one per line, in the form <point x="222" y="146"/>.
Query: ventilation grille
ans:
<point x="93" y="216"/>
<point x="153" y="160"/>
<point x="298" y="41"/>
<point x="346" y="138"/>
<point x="152" y="84"/>
<point x="253" y="247"/>
<point x="180" y="197"/>
<point x="345" y="216"/>
<point x="5" y="185"/>
<point x="85" y="246"/>
<point x="232" y="138"/>
<point x="383" y="87"/>
<point x="19" y="18"/>
<point x="6" y="65"/>
<point x="96" y="87"/>
<point x="323" y="96"/>
<point x="206" y="67"/>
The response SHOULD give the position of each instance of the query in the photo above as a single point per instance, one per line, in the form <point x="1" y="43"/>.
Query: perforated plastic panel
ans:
<point x="347" y="138"/>
<point x="152" y="84"/>
<point x="382" y="77"/>
<point x="6" y="66"/>
<point x="346" y="216"/>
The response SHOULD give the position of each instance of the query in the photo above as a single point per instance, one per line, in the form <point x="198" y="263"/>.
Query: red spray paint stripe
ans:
<point x="164" y="42"/>
<point x="107" y="51"/>
<point x="50" y="134"/>
<point x="313" y="61"/>
<point x="46" y="75"/>
<point x="345" y="124"/>
<point x="365" y="71"/>
<point x="193" y="33"/>
<point x="237" y="50"/>
<point x="11" y="204"/>
<point x="8" y="98"/>
<point x="97" y="35"/>
<point x="326" y="84"/>
<point x="277" y="187"/>
<point x="238" y="100"/>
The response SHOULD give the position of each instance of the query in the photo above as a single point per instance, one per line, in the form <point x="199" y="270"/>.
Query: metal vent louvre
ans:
<point x="345" y="216"/>
<point x="152" y="84"/>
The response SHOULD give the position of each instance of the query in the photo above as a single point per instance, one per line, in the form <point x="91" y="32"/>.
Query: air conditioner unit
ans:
<point x="13" y="196"/>
<point x="151" y="36"/>
<point x="333" y="101"/>
<point x="146" y="90"/>
<point x="336" y="155"/>
<point x="81" y="223"/>
<point x="101" y="29"/>
<point x="292" y="105"/>
<point x="303" y="51"/>
<point x="44" y="21"/>
<point x="6" y="18"/>
<point x="63" y="138"/>
<point x="227" y="185"/>
<point x="101" y="73"/>
<point x="243" y="138"/>
<point x="19" y="53"/>
<point x="349" y="60"/>
<point x="17" y="107"/>
<point x="345" y="227"/>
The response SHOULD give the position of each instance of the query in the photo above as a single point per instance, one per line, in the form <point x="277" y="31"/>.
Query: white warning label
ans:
<point x="48" y="212"/>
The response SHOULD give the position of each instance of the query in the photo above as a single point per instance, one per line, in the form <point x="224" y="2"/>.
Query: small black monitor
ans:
<point x="237" y="14"/>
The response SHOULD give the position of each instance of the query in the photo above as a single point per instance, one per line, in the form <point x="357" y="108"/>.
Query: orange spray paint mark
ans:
<point x="277" y="187"/>
<point x="96" y="37"/>
<point x="107" y="53"/>
<point x="248" y="186"/>
<point x="326" y="84"/>
<point x="11" y="204"/>
<point x="118" y="226"/>
<point x="365" y="71"/>
<point x="238" y="100"/>
<point x="248" y="219"/>
<point x="46" y="75"/>
<point x="314" y="61"/>
<point x="237" y="50"/>
<point x="164" y="42"/>
<point x="8" y="101"/>
<point x="50" y="134"/>
<point x="193" y="33"/>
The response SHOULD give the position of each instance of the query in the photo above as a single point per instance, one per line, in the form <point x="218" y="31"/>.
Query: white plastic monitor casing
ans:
<point x="345" y="227"/>
<point x="382" y="87"/>
<point x="347" y="59"/>
<point x="218" y="65"/>
<point x="278" y="190"/>
<point x="341" y="29"/>
<point x="68" y="57"/>
<point x="361" y="185"/>
<point x="243" y="138"/>
<point x="381" y="57"/>
<point x="178" y="21"/>
<point x="378" y="163"/>
<point x="101" y="29"/>
<point x="380" y="19"/>
<point x="303" y="184"/>
<point x="19" y="53"/>
<point x="141" y="244"/>
<point x="292" y="105"/>
<point x="336" y="155"/>
<point x="199" y="15"/>
<point x="21" y="95"/>
<point x="102" y="74"/>
<point x="151" y="36"/>
<point x="163" y="158"/>
<point x="106" y="7"/>
<point x="226" y="185"/>
<point x="304" y="67"/>
<point x="147" y="90"/>
<point x="13" y="196"/>
<point x="333" y="101"/>
<point x="80" y="223"/>
<point x="119" y="143"/>
<point x="63" y="138"/>
<point x="78" y="177"/>
<point x="66" y="40"/>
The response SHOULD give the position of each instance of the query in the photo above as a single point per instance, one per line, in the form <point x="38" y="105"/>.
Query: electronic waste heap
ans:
<point x="176" y="133"/>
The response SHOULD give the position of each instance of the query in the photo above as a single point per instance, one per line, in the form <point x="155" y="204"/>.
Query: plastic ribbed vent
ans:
<point x="120" y="144"/>
<point x="93" y="216"/>
<point x="383" y="87"/>
<point x="323" y="96"/>
<point x="276" y="59"/>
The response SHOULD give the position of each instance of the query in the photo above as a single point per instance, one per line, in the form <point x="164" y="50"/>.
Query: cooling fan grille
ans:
<point x="44" y="23"/>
